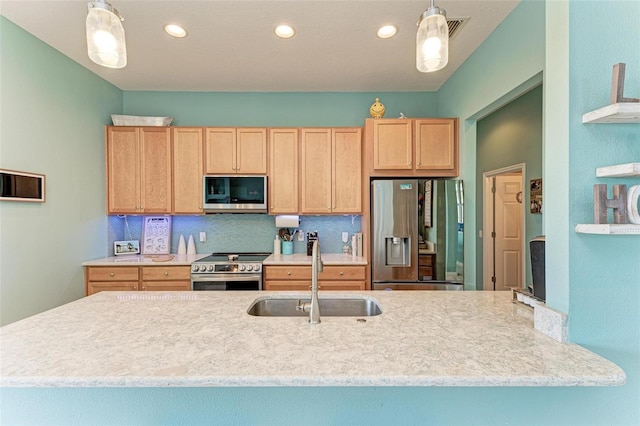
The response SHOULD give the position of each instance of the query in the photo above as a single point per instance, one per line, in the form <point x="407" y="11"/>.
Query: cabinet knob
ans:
<point x="133" y="287"/>
<point x="419" y="163"/>
<point x="143" y="288"/>
<point x="166" y="274"/>
<point x="288" y="272"/>
<point x="111" y="274"/>
<point x="341" y="273"/>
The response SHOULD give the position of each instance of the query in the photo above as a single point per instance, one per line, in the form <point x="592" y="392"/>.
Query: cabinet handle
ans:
<point x="111" y="274"/>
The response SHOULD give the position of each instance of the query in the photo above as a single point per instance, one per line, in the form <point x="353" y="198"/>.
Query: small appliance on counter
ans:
<point x="311" y="237"/>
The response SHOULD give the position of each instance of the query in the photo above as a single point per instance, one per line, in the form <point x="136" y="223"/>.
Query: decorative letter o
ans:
<point x="633" y="194"/>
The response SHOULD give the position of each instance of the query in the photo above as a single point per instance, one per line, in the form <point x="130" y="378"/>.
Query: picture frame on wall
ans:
<point x="535" y="196"/>
<point x="22" y="186"/>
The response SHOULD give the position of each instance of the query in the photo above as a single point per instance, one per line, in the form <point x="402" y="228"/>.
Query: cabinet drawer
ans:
<point x="341" y="285"/>
<point x="96" y="287"/>
<point x="113" y="273"/>
<point x="157" y="273"/>
<point x="290" y="285"/>
<point x="166" y="286"/>
<point x="287" y="273"/>
<point x="342" y="273"/>
<point x="425" y="260"/>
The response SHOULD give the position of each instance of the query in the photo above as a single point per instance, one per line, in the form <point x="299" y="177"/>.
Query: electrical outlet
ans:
<point x="345" y="237"/>
<point x="203" y="237"/>
<point x="300" y="236"/>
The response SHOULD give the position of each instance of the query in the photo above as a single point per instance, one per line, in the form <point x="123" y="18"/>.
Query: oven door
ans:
<point x="226" y="282"/>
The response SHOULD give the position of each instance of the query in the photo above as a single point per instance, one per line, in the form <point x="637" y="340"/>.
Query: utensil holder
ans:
<point x="287" y="247"/>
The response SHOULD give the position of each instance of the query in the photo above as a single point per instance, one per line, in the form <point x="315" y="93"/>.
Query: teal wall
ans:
<point x="604" y="271"/>
<point x="602" y="278"/>
<point x="506" y="65"/>
<point x="51" y="122"/>
<point x="508" y="136"/>
<point x="275" y="109"/>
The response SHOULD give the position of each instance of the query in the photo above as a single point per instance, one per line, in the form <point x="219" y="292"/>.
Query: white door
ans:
<point x="508" y="231"/>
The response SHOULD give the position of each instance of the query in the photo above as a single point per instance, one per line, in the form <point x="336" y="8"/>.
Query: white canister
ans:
<point x="276" y="245"/>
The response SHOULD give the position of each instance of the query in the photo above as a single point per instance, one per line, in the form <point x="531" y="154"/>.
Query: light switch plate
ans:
<point x="345" y="237"/>
<point x="203" y="237"/>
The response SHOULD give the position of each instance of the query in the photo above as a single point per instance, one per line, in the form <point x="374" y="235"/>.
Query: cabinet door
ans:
<point x="347" y="171"/>
<point x="315" y="168"/>
<point x="251" y="151"/>
<point x="98" y="286"/>
<point x="220" y="150"/>
<point x="437" y="146"/>
<point x="155" y="182"/>
<point x="283" y="171"/>
<point x="188" y="166"/>
<point x="123" y="170"/>
<point x="392" y="144"/>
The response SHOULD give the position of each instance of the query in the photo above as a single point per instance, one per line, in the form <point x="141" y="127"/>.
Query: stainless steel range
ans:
<point x="228" y="271"/>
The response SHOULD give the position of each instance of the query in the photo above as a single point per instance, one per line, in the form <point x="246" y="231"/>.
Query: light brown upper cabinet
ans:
<point x="436" y="145"/>
<point x="230" y="150"/>
<point x="331" y="171"/>
<point x="412" y="147"/>
<point x="188" y="165"/>
<point x="283" y="171"/>
<point x="138" y="170"/>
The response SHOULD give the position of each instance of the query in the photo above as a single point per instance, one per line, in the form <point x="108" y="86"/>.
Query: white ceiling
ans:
<point x="231" y="46"/>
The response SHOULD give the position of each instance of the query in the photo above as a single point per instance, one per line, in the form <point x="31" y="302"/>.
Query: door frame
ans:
<point x="488" y="253"/>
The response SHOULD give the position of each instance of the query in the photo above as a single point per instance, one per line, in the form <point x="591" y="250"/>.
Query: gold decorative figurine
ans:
<point x="377" y="109"/>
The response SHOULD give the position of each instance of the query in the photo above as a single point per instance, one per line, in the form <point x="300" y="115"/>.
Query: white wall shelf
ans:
<point x="624" y="112"/>
<point x="608" y="228"/>
<point x="619" y="170"/>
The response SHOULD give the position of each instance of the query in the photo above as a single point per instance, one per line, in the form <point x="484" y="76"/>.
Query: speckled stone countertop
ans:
<point x="303" y="259"/>
<point x="147" y="260"/>
<point x="179" y="339"/>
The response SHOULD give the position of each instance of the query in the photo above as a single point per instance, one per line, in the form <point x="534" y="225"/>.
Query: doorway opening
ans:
<point x="503" y="228"/>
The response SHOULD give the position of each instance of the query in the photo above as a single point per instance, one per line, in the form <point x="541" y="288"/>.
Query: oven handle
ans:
<point x="225" y="277"/>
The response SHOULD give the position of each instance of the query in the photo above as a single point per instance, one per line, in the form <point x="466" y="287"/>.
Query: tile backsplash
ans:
<point x="237" y="232"/>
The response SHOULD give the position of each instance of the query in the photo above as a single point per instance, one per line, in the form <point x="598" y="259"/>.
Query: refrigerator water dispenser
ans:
<point x="398" y="251"/>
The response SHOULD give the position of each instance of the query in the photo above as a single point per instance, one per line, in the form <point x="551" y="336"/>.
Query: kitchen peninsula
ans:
<point x="207" y="339"/>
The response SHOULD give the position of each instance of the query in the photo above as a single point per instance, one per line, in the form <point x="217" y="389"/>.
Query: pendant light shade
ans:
<point x="432" y="40"/>
<point x="105" y="35"/>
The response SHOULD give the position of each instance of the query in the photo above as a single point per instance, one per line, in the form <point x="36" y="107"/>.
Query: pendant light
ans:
<point x="432" y="40"/>
<point x="105" y="35"/>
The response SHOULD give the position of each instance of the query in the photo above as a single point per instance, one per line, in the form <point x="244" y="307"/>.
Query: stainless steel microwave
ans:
<point x="235" y="194"/>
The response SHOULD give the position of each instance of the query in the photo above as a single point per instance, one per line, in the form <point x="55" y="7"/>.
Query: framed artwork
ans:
<point x="535" y="196"/>
<point x="22" y="186"/>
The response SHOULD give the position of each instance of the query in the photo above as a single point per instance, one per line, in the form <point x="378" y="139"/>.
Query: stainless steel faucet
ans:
<point x="313" y="307"/>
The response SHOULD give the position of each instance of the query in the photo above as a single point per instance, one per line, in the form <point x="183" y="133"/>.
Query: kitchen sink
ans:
<point x="329" y="307"/>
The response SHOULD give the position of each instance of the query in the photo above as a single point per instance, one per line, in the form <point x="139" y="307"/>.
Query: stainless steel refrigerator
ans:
<point x="398" y="230"/>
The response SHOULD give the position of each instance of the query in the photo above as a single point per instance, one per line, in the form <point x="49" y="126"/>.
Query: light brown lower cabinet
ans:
<point x="136" y="278"/>
<point x="298" y="278"/>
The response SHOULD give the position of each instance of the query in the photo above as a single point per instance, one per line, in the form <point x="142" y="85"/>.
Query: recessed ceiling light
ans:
<point x="387" y="31"/>
<point x="284" y="31"/>
<point x="175" y="30"/>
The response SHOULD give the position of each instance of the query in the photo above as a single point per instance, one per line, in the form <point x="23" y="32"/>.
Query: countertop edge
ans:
<point x="311" y="381"/>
